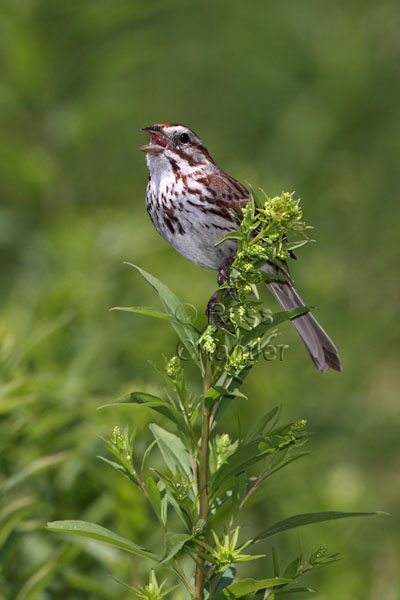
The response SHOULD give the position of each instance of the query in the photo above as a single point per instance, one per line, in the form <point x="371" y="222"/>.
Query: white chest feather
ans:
<point x="182" y="215"/>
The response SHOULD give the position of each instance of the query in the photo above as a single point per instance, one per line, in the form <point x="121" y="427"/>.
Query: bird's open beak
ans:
<point x="157" y="140"/>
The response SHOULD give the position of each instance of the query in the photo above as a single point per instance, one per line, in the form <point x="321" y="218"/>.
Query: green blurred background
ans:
<point x="287" y="96"/>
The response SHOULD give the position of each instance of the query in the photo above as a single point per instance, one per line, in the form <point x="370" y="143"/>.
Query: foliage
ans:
<point x="207" y="479"/>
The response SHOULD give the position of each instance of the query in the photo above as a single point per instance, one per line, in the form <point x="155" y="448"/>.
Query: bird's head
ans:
<point x="174" y="145"/>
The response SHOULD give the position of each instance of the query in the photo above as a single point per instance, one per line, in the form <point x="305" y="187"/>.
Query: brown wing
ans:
<point x="228" y="194"/>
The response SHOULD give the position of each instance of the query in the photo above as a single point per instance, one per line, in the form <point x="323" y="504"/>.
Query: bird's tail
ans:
<point x="322" y="350"/>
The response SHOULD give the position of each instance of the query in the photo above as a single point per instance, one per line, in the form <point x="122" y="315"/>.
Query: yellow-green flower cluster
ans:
<point x="238" y="362"/>
<point x="297" y="427"/>
<point x="117" y="438"/>
<point x="120" y="441"/>
<point x="319" y="553"/>
<point x="246" y="316"/>
<point x="173" y="367"/>
<point x="242" y="357"/>
<point x="263" y="236"/>
<point x="246" y="260"/>
<point x="182" y="486"/>
<point x="207" y="340"/>
<point x="242" y="289"/>
<point x="237" y="314"/>
<point x="224" y="448"/>
<point x="284" y="211"/>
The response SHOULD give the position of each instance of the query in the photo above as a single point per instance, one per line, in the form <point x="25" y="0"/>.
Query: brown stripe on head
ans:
<point x="194" y="154"/>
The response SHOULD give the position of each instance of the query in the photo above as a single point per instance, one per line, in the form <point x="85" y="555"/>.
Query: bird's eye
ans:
<point x="184" y="138"/>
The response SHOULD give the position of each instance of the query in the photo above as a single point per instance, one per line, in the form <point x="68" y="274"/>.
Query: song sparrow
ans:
<point x="192" y="204"/>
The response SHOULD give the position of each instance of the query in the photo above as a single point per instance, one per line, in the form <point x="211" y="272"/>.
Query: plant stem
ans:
<point x="139" y="480"/>
<point x="203" y="466"/>
<point x="184" y="578"/>
<point x="194" y="468"/>
<point x="252" y="489"/>
<point x="203" y="477"/>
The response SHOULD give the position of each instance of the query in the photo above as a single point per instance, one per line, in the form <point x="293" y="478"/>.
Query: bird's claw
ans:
<point x="223" y="273"/>
<point x="215" y="316"/>
<point x="223" y="276"/>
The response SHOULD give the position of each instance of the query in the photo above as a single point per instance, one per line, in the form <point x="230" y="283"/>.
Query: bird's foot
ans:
<point x="223" y="276"/>
<point x="211" y="304"/>
<point x="216" y="314"/>
<point x="223" y="273"/>
<point x="216" y="311"/>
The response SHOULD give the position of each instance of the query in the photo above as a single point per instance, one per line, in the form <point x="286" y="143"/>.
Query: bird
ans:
<point x="192" y="204"/>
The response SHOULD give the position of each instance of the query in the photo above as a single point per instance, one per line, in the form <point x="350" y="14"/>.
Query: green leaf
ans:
<point x="41" y="464"/>
<point x="289" y="315"/>
<point x="92" y="588"/>
<point x="247" y="586"/>
<point x="294" y="590"/>
<point x="178" y="508"/>
<point x="157" y="404"/>
<point x="164" y="509"/>
<point x="96" y="532"/>
<point x="268" y="277"/>
<point x="35" y="585"/>
<point x="146" y="455"/>
<point x="135" y="592"/>
<point x="11" y="514"/>
<point x="172" y="450"/>
<point x="154" y="495"/>
<point x="169" y="498"/>
<point x="238" y="492"/>
<point x="275" y="560"/>
<point x="308" y="519"/>
<point x="292" y="567"/>
<point x="174" y="542"/>
<point x="298" y="244"/>
<point x="226" y="392"/>
<point x="235" y="235"/>
<point x="180" y="319"/>
<point x="244" y="457"/>
<point x="226" y="579"/>
<point x="149" y="312"/>
<point x="126" y="586"/>
<point x="122" y="458"/>
<point x="120" y="468"/>
<point x="283" y="463"/>
<point x="261" y="424"/>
